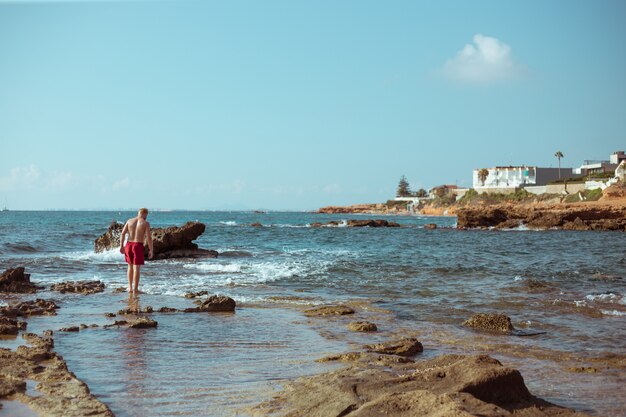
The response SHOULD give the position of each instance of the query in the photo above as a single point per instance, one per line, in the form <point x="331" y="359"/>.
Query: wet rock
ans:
<point x="196" y="294"/>
<point x="362" y="326"/>
<point x="235" y="254"/>
<point x="450" y="386"/>
<point x="70" y="329"/>
<point x="567" y="216"/>
<point x="366" y="358"/>
<point x="16" y="281"/>
<point x="110" y="315"/>
<point x="79" y="287"/>
<point x="583" y="369"/>
<point x="169" y="242"/>
<point x="491" y="322"/>
<point x="10" y="326"/>
<point x="430" y="226"/>
<point x="215" y="303"/>
<point x="38" y="307"/>
<point x="167" y="310"/>
<point x="142" y="323"/>
<point x="134" y="310"/>
<point x="60" y="392"/>
<point x="372" y="223"/>
<point x="256" y="224"/>
<point x="119" y="289"/>
<point x="401" y="347"/>
<point x="605" y="277"/>
<point x="329" y="310"/>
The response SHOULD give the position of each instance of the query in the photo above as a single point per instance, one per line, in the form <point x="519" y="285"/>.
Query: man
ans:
<point x="138" y="230"/>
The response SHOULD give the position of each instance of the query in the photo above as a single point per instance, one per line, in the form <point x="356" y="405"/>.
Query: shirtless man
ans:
<point x="138" y="230"/>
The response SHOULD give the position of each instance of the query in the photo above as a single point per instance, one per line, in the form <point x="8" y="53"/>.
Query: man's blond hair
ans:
<point x="143" y="210"/>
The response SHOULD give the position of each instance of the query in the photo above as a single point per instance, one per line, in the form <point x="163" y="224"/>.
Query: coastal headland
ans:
<point x="607" y="212"/>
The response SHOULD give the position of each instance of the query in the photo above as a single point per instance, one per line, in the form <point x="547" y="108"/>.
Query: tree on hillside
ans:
<point x="483" y="173"/>
<point x="421" y="193"/>
<point x="403" y="188"/>
<point x="558" y="156"/>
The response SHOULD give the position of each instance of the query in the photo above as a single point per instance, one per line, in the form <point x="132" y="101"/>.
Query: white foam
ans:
<point x="518" y="278"/>
<point x="210" y="267"/>
<point x="110" y="255"/>
<point x="581" y="303"/>
<point x="613" y="313"/>
<point x="229" y="223"/>
<point x="607" y="298"/>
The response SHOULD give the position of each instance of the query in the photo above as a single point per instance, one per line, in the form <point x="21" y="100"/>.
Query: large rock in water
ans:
<point x="581" y="216"/>
<point x="450" y="386"/>
<point x="169" y="242"/>
<point x="15" y="280"/>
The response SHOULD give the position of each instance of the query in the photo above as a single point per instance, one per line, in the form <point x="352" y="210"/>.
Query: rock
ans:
<point x="430" y="226"/>
<point x="10" y="326"/>
<point x="256" y="224"/>
<point x="15" y="280"/>
<point x="580" y="216"/>
<point x="329" y="310"/>
<point x="39" y="307"/>
<point x="583" y="369"/>
<point x="372" y="223"/>
<point x="362" y="326"/>
<point x="60" y="393"/>
<point x="80" y="287"/>
<point x="167" y="310"/>
<point x="119" y="289"/>
<point x="196" y="294"/>
<point x="450" y="386"/>
<point x="70" y="329"/>
<point x="577" y="224"/>
<point x="169" y="242"/>
<point x="110" y="315"/>
<point x="491" y="322"/>
<point x="215" y="303"/>
<point x="401" y="347"/>
<point x="142" y="323"/>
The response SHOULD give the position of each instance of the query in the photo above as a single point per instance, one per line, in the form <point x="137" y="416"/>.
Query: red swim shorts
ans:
<point x="134" y="253"/>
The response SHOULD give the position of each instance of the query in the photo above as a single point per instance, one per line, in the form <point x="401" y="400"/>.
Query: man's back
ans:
<point x="137" y="227"/>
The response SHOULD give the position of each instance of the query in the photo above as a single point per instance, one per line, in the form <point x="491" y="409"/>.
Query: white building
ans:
<point x="508" y="178"/>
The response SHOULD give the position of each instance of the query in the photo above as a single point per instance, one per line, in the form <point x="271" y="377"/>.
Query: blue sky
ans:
<point x="296" y="105"/>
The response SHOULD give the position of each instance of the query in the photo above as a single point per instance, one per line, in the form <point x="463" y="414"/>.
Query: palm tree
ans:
<point x="559" y="155"/>
<point x="483" y="173"/>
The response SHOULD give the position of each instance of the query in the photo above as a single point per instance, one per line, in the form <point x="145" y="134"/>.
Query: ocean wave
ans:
<point x="106" y="256"/>
<point x="206" y="267"/>
<point x="613" y="313"/>
<point x="20" y="247"/>
<point x="229" y="223"/>
<point x="606" y="298"/>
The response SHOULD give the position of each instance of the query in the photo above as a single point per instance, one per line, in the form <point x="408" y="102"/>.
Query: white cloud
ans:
<point x="60" y="180"/>
<point x="123" y="183"/>
<point x="20" y="178"/>
<point x="486" y="61"/>
<point x="332" y="189"/>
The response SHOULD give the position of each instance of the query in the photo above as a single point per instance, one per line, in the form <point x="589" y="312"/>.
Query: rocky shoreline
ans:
<point x="567" y="216"/>
<point x="383" y="378"/>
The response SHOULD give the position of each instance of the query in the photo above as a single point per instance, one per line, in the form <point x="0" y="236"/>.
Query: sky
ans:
<point x="295" y="105"/>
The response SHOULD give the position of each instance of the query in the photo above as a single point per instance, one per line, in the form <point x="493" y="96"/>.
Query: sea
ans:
<point x="565" y="292"/>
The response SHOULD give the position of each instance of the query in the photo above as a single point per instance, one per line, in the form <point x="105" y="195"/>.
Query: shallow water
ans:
<point x="571" y="285"/>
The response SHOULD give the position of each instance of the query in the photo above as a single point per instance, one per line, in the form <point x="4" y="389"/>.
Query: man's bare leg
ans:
<point x="130" y="278"/>
<point x="136" y="274"/>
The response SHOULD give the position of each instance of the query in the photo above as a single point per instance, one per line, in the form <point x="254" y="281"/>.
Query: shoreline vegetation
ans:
<point x="589" y="210"/>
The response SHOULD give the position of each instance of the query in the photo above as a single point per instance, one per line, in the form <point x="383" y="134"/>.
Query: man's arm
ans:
<point x="149" y="238"/>
<point x="122" y="236"/>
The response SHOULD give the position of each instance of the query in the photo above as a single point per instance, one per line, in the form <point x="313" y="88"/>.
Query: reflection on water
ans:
<point x="570" y="285"/>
